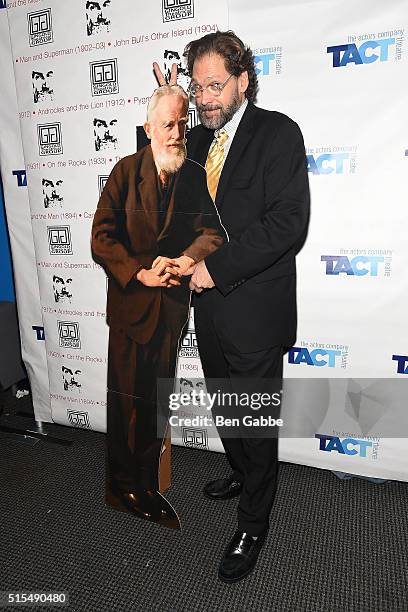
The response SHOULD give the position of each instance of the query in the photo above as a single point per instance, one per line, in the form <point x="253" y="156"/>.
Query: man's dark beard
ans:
<point x="216" y="123"/>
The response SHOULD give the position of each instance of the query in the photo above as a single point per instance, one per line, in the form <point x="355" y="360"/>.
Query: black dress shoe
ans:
<point x="149" y="505"/>
<point x="240" y="556"/>
<point x="223" y="488"/>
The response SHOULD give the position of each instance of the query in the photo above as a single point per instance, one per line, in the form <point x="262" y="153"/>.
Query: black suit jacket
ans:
<point x="263" y="202"/>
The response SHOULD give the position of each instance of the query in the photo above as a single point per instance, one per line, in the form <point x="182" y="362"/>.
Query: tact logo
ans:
<point x="324" y="160"/>
<point x="268" y="61"/>
<point x="319" y="357"/>
<point x="346" y="446"/>
<point x="361" y="265"/>
<point x="21" y="177"/>
<point x="368" y="48"/>
<point x="39" y="331"/>
<point x="402" y="361"/>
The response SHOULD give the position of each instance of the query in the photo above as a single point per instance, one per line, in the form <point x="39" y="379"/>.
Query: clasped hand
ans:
<point x="166" y="272"/>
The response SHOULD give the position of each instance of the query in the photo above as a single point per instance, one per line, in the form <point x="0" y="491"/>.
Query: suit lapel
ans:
<point x="240" y="141"/>
<point x="147" y="188"/>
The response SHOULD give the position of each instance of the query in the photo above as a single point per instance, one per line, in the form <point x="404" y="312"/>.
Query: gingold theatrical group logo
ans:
<point x="104" y="77"/>
<point x="78" y="418"/>
<point x="195" y="437"/>
<point x="102" y="182"/>
<point x="189" y="348"/>
<point x="173" y="10"/>
<point x="68" y="333"/>
<point x="50" y="139"/>
<point x="40" y="27"/>
<point x="59" y="240"/>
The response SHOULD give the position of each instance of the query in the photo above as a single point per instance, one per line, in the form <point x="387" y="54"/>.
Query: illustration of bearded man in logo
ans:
<point x="97" y="16"/>
<point x="42" y="85"/>
<point x="173" y="57"/>
<point x="52" y="194"/>
<point x="105" y="134"/>
<point x="61" y="289"/>
<point x="70" y="379"/>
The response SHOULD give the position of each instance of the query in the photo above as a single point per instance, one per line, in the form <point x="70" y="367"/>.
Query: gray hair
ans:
<point x="164" y="90"/>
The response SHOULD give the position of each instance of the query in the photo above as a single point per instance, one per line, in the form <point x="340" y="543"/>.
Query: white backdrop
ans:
<point x="83" y="78"/>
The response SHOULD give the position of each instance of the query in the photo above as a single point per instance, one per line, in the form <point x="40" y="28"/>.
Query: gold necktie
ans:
<point x="215" y="162"/>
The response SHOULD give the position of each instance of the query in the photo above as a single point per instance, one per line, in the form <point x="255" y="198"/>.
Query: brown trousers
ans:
<point x="134" y="437"/>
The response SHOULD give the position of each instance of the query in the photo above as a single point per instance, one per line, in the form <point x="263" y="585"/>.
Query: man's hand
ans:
<point x="150" y="278"/>
<point x="179" y="266"/>
<point x="160" y="77"/>
<point x="161" y="263"/>
<point x="201" y="278"/>
<point x="184" y="264"/>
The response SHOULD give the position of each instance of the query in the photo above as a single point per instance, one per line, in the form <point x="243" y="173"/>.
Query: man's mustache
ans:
<point x="209" y="107"/>
<point x="179" y="143"/>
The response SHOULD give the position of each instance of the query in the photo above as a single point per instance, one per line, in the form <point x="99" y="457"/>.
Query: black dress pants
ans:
<point x="254" y="461"/>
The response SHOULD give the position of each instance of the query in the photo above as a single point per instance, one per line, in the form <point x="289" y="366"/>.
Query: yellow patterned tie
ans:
<point x="215" y="162"/>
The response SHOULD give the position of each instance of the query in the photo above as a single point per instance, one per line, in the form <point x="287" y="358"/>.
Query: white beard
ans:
<point x="170" y="162"/>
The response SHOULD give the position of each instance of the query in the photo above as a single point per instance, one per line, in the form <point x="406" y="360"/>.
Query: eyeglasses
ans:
<point x="214" y="89"/>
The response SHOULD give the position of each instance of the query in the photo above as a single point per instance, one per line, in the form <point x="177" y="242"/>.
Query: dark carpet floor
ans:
<point x="333" y="545"/>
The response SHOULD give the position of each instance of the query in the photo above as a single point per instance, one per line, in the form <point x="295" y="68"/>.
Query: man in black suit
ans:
<point x="245" y="309"/>
<point x="245" y="304"/>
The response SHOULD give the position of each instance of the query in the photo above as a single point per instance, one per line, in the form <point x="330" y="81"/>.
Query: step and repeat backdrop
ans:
<point x="77" y="77"/>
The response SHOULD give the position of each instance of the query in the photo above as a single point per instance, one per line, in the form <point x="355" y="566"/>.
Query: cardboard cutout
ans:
<point x="139" y="223"/>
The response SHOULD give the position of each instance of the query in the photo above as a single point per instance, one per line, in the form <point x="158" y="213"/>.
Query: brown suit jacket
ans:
<point x="125" y="236"/>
